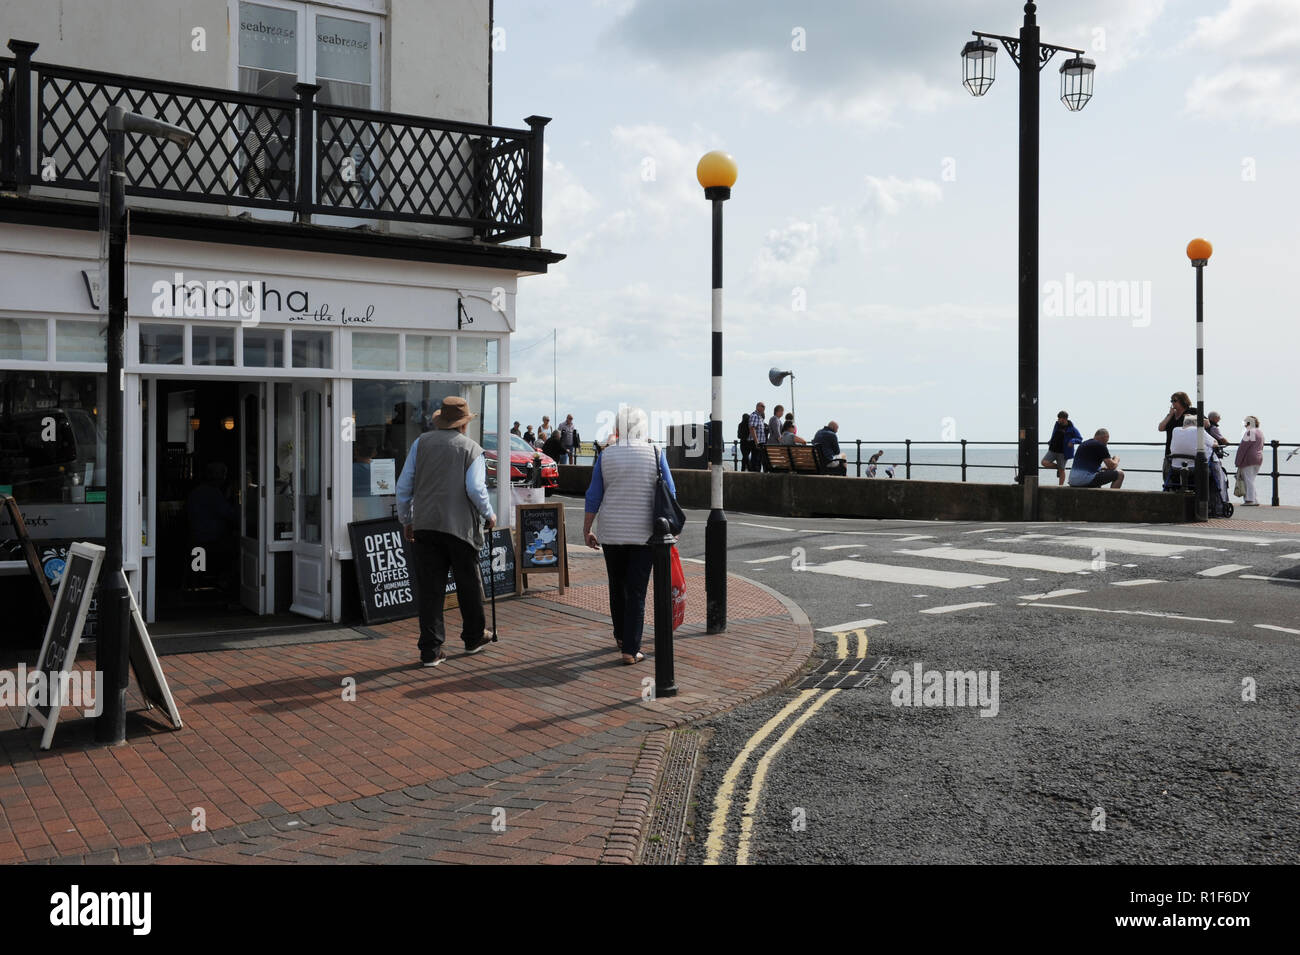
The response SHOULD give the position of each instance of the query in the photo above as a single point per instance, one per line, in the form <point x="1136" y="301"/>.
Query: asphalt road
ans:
<point x="1119" y="728"/>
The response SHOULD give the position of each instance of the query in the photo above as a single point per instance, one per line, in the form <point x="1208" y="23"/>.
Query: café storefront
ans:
<point x="273" y="393"/>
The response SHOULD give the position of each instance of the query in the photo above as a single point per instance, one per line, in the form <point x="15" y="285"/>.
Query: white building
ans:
<point x="306" y="281"/>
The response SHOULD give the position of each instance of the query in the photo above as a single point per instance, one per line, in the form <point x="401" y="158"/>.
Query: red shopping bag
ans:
<point x="679" y="589"/>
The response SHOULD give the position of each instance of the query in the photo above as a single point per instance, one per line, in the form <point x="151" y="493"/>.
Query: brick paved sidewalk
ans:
<point x="539" y="749"/>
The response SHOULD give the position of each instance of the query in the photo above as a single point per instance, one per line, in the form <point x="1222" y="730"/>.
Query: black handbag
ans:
<point x="666" y="506"/>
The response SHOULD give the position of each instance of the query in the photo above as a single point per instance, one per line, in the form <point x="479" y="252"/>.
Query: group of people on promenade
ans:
<point x="561" y="443"/>
<point x="755" y="431"/>
<point x="1092" y="465"/>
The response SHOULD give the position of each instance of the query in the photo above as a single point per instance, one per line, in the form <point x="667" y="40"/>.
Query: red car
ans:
<point x="521" y="459"/>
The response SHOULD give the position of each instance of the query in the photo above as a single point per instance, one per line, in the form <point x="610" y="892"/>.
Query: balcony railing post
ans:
<point x="858" y="442"/>
<point x="533" y="203"/>
<point x="963" y="460"/>
<point x="1276" y="499"/>
<point x="908" y="451"/>
<point x="18" y="155"/>
<point x="306" y="193"/>
<point x="482" y="179"/>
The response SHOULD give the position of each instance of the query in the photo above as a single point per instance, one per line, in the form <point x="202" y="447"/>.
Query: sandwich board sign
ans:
<point x="58" y="654"/>
<point x="542" y="545"/>
<point x="144" y="662"/>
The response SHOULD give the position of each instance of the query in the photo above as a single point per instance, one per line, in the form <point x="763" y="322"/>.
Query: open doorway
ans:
<point x="198" y="455"/>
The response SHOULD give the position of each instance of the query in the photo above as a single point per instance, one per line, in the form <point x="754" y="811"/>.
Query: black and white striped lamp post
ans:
<point x="717" y="174"/>
<point x="1199" y="251"/>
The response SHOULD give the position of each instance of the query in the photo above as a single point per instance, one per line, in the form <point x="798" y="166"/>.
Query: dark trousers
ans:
<point x="628" y="567"/>
<point x="435" y="552"/>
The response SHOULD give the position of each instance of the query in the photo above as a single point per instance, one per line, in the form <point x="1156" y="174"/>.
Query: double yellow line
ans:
<point x="714" y="844"/>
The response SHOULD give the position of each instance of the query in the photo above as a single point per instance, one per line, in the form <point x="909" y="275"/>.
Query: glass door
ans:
<point x="252" y="499"/>
<point x="311" y="502"/>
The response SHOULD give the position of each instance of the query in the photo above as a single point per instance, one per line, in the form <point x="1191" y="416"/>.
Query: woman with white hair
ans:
<point x="622" y="494"/>
<point x="1250" y="456"/>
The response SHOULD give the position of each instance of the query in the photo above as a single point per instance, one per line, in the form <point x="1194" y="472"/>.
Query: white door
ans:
<point x="252" y="498"/>
<point x="312" y="501"/>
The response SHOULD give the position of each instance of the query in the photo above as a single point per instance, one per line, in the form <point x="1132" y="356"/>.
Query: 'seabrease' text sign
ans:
<point x="383" y="570"/>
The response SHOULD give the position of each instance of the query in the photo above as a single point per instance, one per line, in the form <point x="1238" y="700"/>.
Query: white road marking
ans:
<point x="998" y="558"/>
<point x="1269" y="626"/>
<point x="1131" y="613"/>
<point x="1291" y="556"/>
<point x="864" y="605"/>
<point x="1067" y="592"/>
<point x="916" y="537"/>
<point x="1175" y="556"/>
<point x="841" y="547"/>
<point x="1234" y="538"/>
<point x="851" y="625"/>
<point x="899" y="574"/>
<point x="1130" y="565"/>
<point x="954" y="607"/>
<point x="1135" y="583"/>
<point x="1285" y="580"/>
<point x="692" y="560"/>
<point x="1221" y="570"/>
<point x="1121" y="546"/>
<point x="768" y="560"/>
<point x="772" y="527"/>
<point x="985" y="530"/>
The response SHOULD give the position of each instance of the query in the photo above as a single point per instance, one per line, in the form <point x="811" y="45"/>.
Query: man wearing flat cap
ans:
<point x="442" y="501"/>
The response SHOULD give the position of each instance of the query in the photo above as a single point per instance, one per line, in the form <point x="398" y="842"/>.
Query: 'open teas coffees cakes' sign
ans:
<point x="384" y="570"/>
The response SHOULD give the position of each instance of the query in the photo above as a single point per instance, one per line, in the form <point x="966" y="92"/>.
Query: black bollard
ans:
<point x="660" y="543"/>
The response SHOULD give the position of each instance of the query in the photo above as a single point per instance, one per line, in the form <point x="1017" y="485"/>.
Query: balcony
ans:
<point x="296" y="157"/>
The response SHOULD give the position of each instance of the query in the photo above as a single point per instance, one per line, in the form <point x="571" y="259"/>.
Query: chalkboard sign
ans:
<point x="384" y="574"/>
<point x="58" y="654"/>
<point x="144" y="661"/>
<point x="499" y="563"/>
<point x="542" y="545"/>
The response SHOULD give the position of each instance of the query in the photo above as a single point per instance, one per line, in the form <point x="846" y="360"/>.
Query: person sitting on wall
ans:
<point x="1060" y="449"/>
<point x="1094" y="465"/>
<point x="827" y="439"/>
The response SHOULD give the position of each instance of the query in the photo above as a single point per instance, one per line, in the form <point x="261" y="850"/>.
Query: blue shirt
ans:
<point x="1090" y="455"/>
<point x="475" y="486"/>
<point x="828" y="441"/>
<point x="596" y="490"/>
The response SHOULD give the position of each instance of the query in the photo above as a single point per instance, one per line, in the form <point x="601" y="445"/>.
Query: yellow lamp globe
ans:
<point x="716" y="169"/>
<point x="1199" y="250"/>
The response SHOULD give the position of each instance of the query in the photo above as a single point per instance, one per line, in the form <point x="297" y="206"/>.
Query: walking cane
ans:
<point x="492" y="579"/>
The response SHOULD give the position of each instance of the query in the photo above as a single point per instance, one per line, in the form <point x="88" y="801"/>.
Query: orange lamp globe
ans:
<point x="1199" y="250"/>
<point x="716" y="169"/>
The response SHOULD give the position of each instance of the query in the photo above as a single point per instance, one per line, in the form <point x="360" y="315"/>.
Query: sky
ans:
<point x="870" y="244"/>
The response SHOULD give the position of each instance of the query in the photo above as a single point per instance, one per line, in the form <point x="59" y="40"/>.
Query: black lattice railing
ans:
<point x="242" y="154"/>
<point x="250" y="151"/>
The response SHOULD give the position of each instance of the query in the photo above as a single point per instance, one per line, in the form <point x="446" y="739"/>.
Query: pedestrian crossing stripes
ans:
<point x="900" y="574"/>
<point x="952" y="608"/>
<point x="1222" y="569"/>
<point x="999" y="558"/>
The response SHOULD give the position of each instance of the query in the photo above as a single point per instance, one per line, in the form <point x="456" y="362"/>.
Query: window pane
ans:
<point x="374" y="352"/>
<point x="80" y="341"/>
<point x="213" y="345"/>
<point x="309" y="467"/>
<point x="428" y="353"/>
<point x="268" y="38"/>
<point x="284" y="461"/>
<point x="22" y="339"/>
<point x="162" y="344"/>
<point x="52" y="443"/>
<point x="476" y="355"/>
<point x="263" y="349"/>
<point x="311" y="349"/>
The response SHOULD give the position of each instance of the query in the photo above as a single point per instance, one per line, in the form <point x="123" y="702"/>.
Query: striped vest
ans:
<point x="626" y="513"/>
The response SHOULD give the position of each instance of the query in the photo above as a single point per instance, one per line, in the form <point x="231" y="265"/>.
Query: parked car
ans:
<point x="521" y="462"/>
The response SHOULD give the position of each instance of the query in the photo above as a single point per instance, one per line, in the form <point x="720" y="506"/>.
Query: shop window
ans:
<point x="263" y="348"/>
<point x="162" y="344"/>
<point x="80" y="341"/>
<point x="212" y="345"/>
<point x="374" y="352"/>
<point x="23" y="339"/>
<point x="428" y="353"/>
<point x="476" y="356"/>
<point x="52" y="442"/>
<point x="310" y="349"/>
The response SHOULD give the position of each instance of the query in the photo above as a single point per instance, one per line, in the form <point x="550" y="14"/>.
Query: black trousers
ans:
<point x="628" y="567"/>
<point x="435" y="553"/>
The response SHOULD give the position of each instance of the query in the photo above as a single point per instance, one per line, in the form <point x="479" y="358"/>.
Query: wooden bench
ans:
<point x="796" y="458"/>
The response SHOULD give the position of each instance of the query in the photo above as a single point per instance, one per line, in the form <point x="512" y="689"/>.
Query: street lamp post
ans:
<point x="112" y="649"/>
<point x="1030" y="55"/>
<point x="776" y="376"/>
<point x="716" y="172"/>
<point x="1199" y="251"/>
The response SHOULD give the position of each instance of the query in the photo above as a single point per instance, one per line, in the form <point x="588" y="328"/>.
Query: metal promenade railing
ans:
<point x="904" y="466"/>
<point x="261" y="152"/>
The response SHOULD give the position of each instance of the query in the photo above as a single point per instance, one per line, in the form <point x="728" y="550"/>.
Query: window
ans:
<point x="476" y="355"/>
<point x="428" y="353"/>
<point x="310" y="349"/>
<point x="263" y="348"/>
<point x="80" y="341"/>
<point x="162" y="344"/>
<point x="374" y="352"/>
<point x="213" y="345"/>
<point x="282" y="44"/>
<point x="23" y="339"/>
<point x="52" y="443"/>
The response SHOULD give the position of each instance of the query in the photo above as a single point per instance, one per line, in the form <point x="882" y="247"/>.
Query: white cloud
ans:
<point x="888" y="196"/>
<point x="1260" y="43"/>
<point x="790" y="254"/>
